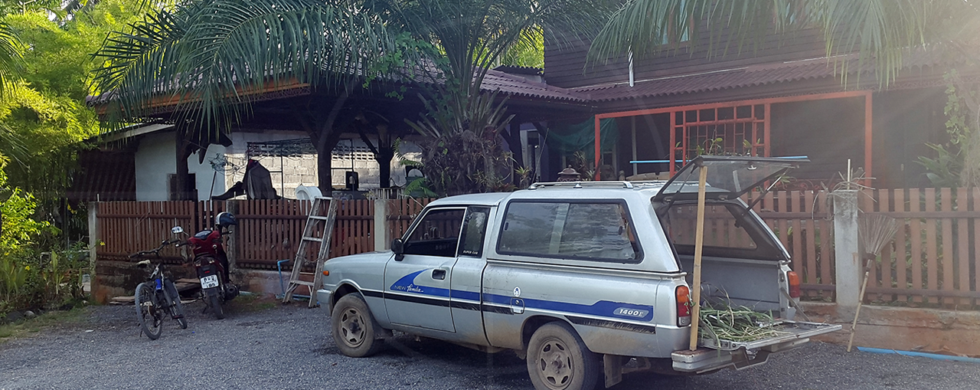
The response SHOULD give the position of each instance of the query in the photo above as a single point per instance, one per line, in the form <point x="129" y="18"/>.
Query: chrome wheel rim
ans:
<point x="352" y="327"/>
<point x="555" y="364"/>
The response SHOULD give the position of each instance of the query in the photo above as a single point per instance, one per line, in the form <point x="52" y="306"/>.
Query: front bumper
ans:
<point x="323" y="297"/>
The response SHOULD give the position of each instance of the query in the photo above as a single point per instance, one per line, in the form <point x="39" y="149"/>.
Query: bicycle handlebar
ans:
<point x="155" y="251"/>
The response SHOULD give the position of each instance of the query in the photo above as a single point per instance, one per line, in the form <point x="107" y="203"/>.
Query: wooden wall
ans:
<point x="565" y="66"/>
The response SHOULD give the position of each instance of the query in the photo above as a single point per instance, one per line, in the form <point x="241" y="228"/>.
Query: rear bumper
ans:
<point x="705" y="360"/>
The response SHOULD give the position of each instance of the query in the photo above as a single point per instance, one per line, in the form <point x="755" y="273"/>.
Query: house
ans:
<point x="782" y="98"/>
<point x="158" y="151"/>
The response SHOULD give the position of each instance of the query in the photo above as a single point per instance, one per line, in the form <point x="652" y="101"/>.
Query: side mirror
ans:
<point x="398" y="246"/>
<point x="177" y="230"/>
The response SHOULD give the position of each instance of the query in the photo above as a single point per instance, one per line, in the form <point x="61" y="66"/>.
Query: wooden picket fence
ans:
<point x="128" y="227"/>
<point x="268" y="230"/>
<point x="931" y="261"/>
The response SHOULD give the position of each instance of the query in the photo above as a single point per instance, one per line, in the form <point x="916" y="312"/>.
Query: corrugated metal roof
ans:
<point x="751" y="76"/>
<point x="518" y="86"/>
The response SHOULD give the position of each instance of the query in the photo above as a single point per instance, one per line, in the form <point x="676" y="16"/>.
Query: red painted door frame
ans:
<point x="767" y="103"/>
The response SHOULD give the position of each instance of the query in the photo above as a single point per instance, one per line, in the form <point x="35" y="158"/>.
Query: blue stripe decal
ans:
<point x="407" y="284"/>
<point x="466" y="295"/>
<point x="600" y="308"/>
<point x="607" y="309"/>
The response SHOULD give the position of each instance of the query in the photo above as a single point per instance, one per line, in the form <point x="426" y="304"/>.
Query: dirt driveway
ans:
<point x="270" y="346"/>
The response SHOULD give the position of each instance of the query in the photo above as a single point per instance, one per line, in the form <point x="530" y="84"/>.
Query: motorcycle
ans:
<point x="211" y="262"/>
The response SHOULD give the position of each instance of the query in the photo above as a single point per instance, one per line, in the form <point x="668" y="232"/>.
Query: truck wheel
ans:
<point x="557" y="359"/>
<point x="353" y="327"/>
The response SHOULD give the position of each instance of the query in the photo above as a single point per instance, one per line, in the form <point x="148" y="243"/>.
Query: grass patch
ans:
<point x="253" y="303"/>
<point x="27" y="327"/>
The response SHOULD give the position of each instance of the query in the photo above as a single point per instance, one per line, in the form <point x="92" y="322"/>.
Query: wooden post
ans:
<point x="381" y="241"/>
<point x="93" y="245"/>
<point x="698" y="243"/>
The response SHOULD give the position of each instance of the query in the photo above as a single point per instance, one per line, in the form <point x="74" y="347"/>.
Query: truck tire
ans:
<point x="557" y="359"/>
<point x="353" y="327"/>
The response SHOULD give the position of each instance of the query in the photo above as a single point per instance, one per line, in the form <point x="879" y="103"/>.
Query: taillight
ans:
<point x="794" y="284"/>
<point x="683" y="306"/>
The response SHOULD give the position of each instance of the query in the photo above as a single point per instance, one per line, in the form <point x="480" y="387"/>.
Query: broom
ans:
<point x="874" y="232"/>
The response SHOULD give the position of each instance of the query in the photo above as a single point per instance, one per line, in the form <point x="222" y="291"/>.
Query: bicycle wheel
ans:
<point x="151" y="319"/>
<point x="176" y="308"/>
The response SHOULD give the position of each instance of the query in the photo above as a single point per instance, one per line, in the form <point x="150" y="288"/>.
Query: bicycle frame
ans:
<point x="157" y="277"/>
<point x="157" y="297"/>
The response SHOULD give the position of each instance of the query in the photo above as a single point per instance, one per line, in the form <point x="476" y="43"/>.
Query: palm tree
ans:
<point x="211" y="56"/>
<point x="471" y="36"/>
<point x="10" y="56"/>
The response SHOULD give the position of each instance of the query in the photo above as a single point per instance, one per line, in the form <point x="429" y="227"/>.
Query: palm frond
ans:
<point x="211" y="58"/>
<point x="10" y="58"/>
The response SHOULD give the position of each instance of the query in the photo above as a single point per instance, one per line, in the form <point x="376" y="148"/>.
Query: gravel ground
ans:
<point x="289" y="347"/>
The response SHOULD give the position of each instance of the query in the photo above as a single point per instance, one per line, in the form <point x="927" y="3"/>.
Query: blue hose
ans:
<point x="921" y="354"/>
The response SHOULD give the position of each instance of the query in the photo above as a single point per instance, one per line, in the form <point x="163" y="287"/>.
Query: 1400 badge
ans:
<point x="622" y="311"/>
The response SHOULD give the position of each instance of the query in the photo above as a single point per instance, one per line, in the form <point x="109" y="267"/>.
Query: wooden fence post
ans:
<point x="847" y="258"/>
<point x="93" y="243"/>
<point x="231" y="247"/>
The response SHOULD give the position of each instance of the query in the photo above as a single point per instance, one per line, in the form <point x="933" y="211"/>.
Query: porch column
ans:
<point x="867" y="139"/>
<point x="598" y="155"/>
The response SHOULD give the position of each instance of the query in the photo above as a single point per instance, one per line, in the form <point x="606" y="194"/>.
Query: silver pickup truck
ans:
<point x="586" y="280"/>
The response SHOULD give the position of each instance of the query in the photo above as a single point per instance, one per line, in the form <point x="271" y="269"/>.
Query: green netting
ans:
<point x="566" y="138"/>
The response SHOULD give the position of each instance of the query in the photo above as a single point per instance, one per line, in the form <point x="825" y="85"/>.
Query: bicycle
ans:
<point x="157" y="297"/>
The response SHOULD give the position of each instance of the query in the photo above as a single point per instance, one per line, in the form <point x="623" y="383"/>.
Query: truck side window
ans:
<point x="596" y="230"/>
<point x="436" y="234"/>
<point x="474" y="231"/>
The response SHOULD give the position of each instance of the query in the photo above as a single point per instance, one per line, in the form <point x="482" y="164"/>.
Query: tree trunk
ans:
<point x="516" y="148"/>
<point x="325" y="137"/>
<point x="324" y="166"/>
<point x="384" y="157"/>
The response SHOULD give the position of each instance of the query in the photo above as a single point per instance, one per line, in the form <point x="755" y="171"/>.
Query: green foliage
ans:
<point x="43" y="121"/>
<point x="947" y="168"/>
<point x="944" y="169"/>
<point x="458" y="156"/>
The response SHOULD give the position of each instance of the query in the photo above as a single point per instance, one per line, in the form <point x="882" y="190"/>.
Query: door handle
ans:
<point x="439" y="274"/>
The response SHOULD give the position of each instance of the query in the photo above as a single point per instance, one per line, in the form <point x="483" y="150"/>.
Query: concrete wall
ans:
<point x="948" y="332"/>
<point x="290" y="172"/>
<point x="154" y="161"/>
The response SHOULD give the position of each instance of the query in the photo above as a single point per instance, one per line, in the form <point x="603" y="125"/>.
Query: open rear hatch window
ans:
<point x="728" y="176"/>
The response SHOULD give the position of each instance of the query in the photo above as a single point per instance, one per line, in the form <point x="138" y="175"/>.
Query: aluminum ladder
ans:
<point x="319" y="230"/>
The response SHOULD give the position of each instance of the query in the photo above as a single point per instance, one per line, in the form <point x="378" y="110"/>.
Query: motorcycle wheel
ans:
<point x="176" y="308"/>
<point x="151" y="319"/>
<point x="215" y="302"/>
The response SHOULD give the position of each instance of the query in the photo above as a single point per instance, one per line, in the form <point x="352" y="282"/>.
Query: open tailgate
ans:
<point x="713" y="355"/>
<point x="786" y="331"/>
